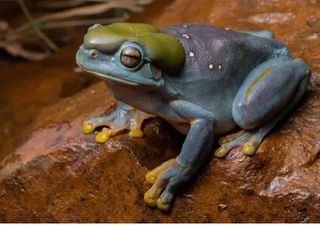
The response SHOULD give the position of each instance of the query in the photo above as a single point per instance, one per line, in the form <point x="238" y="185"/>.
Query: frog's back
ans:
<point x="212" y="51"/>
<point x="217" y="61"/>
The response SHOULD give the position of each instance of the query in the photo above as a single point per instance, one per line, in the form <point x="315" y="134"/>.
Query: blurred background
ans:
<point x="34" y="29"/>
<point x="38" y="42"/>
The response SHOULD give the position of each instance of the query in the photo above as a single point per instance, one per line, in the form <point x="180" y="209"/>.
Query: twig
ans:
<point x="16" y="49"/>
<point x="12" y="40"/>
<point x="94" y="9"/>
<point x="80" y="11"/>
<point x="74" y="23"/>
<point x="40" y="34"/>
<point x="60" y="4"/>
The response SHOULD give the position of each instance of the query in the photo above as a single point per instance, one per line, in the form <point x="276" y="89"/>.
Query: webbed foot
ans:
<point x="248" y="140"/>
<point x="165" y="180"/>
<point x="123" y="118"/>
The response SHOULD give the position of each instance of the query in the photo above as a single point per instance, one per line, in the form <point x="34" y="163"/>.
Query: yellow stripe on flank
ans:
<point x="262" y="75"/>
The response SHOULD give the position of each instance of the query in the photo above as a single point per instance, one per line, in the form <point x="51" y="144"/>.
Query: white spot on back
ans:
<point x="210" y="66"/>
<point x="191" y="54"/>
<point x="185" y="36"/>
<point x="220" y="67"/>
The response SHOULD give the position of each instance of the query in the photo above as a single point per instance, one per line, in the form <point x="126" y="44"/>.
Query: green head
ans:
<point x="130" y="53"/>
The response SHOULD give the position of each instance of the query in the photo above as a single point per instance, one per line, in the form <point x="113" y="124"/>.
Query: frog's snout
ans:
<point x="84" y="54"/>
<point x="90" y="53"/>
<point x="80" y="56"/>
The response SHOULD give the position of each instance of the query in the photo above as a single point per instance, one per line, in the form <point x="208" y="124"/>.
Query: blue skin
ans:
<point x="229" y="79"/>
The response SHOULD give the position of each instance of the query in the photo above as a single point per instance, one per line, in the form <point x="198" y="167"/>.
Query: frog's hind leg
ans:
<point x="124" y="117"/>
<point x="267" y="95"/>
<point x="231" y="141"/>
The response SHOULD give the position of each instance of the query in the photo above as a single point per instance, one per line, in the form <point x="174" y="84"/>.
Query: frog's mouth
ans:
<point x="108" y="77"/>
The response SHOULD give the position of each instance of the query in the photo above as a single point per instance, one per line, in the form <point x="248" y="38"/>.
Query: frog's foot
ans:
<point x="248" y="140"/>
<point x="231" y="137"/>
<point x="152" y="175"/>
<point x="123" y="118"/>
<point x="165" y="180"/>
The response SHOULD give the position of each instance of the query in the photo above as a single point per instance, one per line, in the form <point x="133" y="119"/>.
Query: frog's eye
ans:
<point x="130" y="57"/>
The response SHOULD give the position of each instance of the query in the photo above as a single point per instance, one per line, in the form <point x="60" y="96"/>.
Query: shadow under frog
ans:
<point x="203" y="80"/>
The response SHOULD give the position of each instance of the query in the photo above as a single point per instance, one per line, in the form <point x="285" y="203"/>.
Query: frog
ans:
<point x="212" y="84"/>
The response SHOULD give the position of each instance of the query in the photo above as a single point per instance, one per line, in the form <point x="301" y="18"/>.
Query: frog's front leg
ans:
<point x="125" y="117"/>
<point x="198" y="143"/>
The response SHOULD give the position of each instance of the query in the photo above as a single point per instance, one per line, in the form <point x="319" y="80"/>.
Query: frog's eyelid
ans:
<point x="138" y="46"/>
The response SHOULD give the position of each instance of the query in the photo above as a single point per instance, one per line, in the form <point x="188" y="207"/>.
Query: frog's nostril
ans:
<point x="93" y="54"/>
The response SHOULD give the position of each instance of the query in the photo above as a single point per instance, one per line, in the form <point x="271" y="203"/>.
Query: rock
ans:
<point x="62" y="175"/>
<point x="272" y="18"/>
<point x="28" y="87"/>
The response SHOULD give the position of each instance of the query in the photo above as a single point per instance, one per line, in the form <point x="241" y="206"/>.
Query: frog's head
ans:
<point x="134" y="54"/>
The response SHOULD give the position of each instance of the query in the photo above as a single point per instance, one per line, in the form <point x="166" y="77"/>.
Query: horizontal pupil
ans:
<point x="131" y="56"/>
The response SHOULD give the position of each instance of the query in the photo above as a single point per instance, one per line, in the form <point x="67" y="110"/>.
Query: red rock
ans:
<point x="62" y="175"/>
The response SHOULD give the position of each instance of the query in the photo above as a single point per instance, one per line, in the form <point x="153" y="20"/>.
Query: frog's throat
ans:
<point x="108" y="77"/>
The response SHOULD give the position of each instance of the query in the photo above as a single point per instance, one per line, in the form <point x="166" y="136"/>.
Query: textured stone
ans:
<point x="61" y="175"/>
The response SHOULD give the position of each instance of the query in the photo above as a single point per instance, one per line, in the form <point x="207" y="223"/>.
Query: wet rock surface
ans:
<point x="61" y="175"/>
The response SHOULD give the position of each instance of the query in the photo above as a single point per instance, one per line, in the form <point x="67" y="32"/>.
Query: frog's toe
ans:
<point x="163" y="206"/>
<point x="166" y="198"/>
<point x="249" y="148"/>
<point x="90" y="125"/>
<point x="230" y="137"/>
<point x="248" y="141"/>
<point x="152" y="175"/>
<point x="162" y="192"/>
<point x="221" y="152"/>
<point x="251" y="145"/>
<point x="87" y="127"/>
<point x="231" y="141"/>
<point x="136" y="133"/>
<point x="103" y="136"/>
<point x="152" y="195"/>
<point x="149" y="199"/>
<point x="136" y="123"/>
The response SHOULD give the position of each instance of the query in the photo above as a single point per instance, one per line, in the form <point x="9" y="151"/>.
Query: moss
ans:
<point x="163" y="50"/>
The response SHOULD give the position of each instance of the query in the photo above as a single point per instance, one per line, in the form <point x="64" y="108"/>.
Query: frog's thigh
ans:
<point x="267" y="90"/>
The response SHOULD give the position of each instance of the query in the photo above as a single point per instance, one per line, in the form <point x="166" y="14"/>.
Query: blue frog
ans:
<point x="205" y="81"/>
